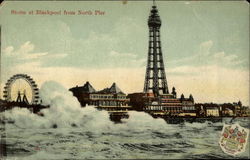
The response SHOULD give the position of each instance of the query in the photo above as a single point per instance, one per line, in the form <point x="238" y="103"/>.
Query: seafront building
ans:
<point x="212" y="112"/>
<point x="167" y="104"/>
<point x="111" y="98"/>
<point x="222" y="110"/>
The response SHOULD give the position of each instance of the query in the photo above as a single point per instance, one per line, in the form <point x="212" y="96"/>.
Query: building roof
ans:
<point x="86" y="88"/>
<point x="228" y="109"/>
<point x="114" y="89"/>
<point x="212" y="108"/>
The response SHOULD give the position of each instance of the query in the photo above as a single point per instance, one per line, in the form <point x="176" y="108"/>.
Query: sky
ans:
<point x="205" y="45"/>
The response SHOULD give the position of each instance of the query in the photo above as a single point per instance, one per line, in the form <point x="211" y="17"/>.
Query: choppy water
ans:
<point x="129" y="140"/>
<point x="87" y="133"/>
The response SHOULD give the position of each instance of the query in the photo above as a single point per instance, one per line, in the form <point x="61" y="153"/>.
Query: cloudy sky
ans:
<point x="205" y="45"/>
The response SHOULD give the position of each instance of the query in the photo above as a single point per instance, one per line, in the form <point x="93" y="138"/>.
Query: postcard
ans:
<point x="124" y="79"/>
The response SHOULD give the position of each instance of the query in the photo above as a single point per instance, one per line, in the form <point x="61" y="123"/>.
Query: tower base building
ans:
<point x="163" y="105"/>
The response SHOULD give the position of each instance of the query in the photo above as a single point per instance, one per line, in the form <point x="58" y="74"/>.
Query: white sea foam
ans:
<point x="64" y="111"/>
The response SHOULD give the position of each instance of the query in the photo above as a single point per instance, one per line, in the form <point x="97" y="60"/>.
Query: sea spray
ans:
<point x="64" y="111"/>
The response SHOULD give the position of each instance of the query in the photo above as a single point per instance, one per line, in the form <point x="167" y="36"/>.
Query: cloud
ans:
<point x="131" y="59"/>
<point x="184" y="60"/>
<point x="116" y="54"/>
<point x="96" y="49"/>
<point x="211" y="83"/>
<point x="222" y="58"/>
<point x="26" y="47"/>
<point x="64" y="46"/>
<point x="205" y="47"/>
<point x="205" y="57"/>
<point x="8" y="50"/>
<point x="217" y="58"/>
<point x="211" y="76"/>
<point x="26" y="54"/>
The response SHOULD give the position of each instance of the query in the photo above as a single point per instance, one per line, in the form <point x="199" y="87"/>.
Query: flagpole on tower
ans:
<point x="153" y="2"/>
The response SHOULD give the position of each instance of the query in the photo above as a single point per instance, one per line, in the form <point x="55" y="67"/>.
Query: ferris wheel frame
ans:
<point x="29" y="80"/>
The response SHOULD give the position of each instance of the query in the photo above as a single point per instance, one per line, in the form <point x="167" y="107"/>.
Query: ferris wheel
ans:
<point x="21" y="88"/>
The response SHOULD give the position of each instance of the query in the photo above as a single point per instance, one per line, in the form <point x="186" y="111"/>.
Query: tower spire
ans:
<point x="155" y="78"/>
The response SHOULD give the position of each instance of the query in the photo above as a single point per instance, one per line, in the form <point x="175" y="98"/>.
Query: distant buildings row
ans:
<point x="113" y="99"/>
<point x="222" y="110"/>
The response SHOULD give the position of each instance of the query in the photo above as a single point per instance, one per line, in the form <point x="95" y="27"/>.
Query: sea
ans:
<point x="68" y="131"/>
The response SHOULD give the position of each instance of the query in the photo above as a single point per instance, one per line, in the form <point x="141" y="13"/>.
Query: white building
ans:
<point x="212" y="111"/>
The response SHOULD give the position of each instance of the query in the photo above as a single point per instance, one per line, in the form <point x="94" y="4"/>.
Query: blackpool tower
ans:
<point x="155" y="78"/>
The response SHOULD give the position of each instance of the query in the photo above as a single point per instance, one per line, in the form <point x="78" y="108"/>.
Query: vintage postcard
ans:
<point x="124" y="79"/>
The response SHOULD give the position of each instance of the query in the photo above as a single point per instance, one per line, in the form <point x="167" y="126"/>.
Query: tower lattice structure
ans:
<point x="155" y="78"/>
